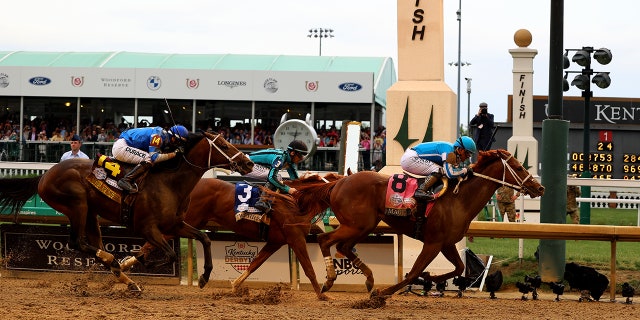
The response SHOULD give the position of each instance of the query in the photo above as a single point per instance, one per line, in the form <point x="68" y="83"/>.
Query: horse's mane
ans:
<point x="485" y="158"/>
<point x="312" y="198"/>
<point x="313" y="179"/>
<point x="282" y="202"/>
<point x="192" y="140"/>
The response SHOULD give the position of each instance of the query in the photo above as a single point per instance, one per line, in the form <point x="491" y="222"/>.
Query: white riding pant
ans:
<point x="260" y="172"/>
<point x="410" y="162"/>
<point x="124" y="152"/>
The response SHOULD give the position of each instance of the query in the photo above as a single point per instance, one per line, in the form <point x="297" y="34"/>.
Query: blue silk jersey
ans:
<point x="436" y="152"/>
<point x="147" y="139"/>
<point x="276" y="160"/>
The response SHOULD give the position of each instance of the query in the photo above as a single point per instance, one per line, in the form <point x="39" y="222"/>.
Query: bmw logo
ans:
<point x="154" y="83"/>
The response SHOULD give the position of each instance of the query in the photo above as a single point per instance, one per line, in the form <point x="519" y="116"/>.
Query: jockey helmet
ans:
<point x="466" y="143"/>
<point x="299" y="147"/>
<point x="179" y="132"/>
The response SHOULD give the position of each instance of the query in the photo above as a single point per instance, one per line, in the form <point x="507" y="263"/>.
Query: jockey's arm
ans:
<point x="293" y="173"/>
<point x="157" y="156"/>
<point x="451" y="169"/>
<point x="273" y="176"/>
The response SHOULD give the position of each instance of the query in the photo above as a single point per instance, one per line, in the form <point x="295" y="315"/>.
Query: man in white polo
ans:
<point x="75" y="151"/>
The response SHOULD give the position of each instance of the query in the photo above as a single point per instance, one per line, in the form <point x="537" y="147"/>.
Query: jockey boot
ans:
<point x="128" y="183"/>
<point x="423" y="193"/>
<point x="264" y="203"/>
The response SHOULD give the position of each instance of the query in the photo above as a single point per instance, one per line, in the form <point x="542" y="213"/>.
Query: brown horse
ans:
<point x="358" y="201"/>
<point x="158" y="208"/>
<point x="213" y="200"/>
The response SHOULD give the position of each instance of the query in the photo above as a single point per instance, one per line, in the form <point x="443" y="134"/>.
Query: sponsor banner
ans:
<point x="356" y="87"/>
<point x="11" y="81"/>
<point x="232" y="255"/>
<point x="46" y="248"/>
<point x="245" y="85"/>
<point x="377" y="252"/>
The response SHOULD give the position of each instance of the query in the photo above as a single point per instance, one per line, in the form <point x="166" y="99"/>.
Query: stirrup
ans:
<point x="262" y="206"/>
<point x="127" y="186"/>
<point x="424" y="196"/>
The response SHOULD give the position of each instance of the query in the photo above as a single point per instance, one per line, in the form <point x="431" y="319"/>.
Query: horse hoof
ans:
<point x="326" y="286"/>
<point x="202" y="282"/>
<point x="369" y="286"/>
<point x="133" y="287"/>
<point x="323" y="297"/>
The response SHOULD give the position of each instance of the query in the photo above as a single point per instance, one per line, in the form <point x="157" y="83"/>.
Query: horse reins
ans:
<point x="517" y="187"/>
<point x="232" y="164"/>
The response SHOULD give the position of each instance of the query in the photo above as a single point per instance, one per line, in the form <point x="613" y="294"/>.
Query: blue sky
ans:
<point x="361" y="28"/>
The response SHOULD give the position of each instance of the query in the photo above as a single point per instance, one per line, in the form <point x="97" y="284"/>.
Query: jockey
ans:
<point x="144" y="147"/>
<point x="269" y="162"/>
<point x="431" y="159"/>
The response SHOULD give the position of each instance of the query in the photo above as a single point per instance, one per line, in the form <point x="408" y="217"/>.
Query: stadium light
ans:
<point x="583" y="82"/>
<point x="320" y="33"/>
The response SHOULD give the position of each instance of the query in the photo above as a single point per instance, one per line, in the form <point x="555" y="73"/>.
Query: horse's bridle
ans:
<point x="233" y="165"/>
<point x="518" y="187"/>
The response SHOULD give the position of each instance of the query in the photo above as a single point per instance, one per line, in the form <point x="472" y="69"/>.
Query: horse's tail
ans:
<point x="15" y="192"/>
<point x="314" y="197"/>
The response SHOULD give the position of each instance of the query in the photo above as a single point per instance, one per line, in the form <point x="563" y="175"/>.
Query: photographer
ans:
<point x="484" y="128"/>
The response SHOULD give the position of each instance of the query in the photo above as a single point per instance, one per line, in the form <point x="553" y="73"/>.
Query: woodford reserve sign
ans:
<point x="46" y="248"/>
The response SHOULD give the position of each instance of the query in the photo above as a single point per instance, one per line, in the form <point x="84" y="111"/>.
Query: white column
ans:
<point x="522" y="144"/>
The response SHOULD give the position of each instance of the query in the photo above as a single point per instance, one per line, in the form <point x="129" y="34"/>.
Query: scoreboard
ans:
<point x="604" y="162"/>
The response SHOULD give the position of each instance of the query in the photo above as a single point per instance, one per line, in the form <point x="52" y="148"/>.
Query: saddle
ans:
<point x="104" y="177"/>
<point x="399" y="200"/>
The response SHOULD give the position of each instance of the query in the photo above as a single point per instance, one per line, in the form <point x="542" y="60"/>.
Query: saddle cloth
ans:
<point x="246" y="197"/>
<point x="104" y="176"/>
<point x="399" y="199"/>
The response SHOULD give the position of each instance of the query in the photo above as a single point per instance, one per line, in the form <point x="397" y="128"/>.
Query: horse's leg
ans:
<point x="128" y="262"/>
<point x="85" y="237"/>
<point x="328" y="239"/>
<point x="346" y="248"/>
<point x="325" y="242"/>
<point x="451" y="253"/>
<point x="93" y="244"/>
<point x="187" y="231"/>
<point x="295" y="235"/>
<point x="267" y="251"/>
<point x="428" y="253"/>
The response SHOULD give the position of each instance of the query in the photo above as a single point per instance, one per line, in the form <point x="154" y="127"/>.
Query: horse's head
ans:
<point x="207" y="150"/>
<point x="502" y="167"/>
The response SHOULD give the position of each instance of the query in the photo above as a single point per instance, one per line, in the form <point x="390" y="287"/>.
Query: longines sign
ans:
<point x="46" y="248"/>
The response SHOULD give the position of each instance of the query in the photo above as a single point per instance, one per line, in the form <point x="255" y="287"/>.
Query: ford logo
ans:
<point x="350" y="86"/>
<point x="39" y="81"/>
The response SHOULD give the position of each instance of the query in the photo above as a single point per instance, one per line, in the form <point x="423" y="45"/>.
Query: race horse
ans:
<point x="358" y="202"/>
<point x="213" y="200"/>
<point x="157" y="209"/>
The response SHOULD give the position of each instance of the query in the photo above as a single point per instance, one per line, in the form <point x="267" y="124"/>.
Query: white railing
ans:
<point x="8" y="169"/>
<point x="633" y="201"/>
<point x="627" y="192"/>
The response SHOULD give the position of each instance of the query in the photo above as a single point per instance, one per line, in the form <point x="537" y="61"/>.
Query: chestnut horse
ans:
<point x="358" y="202"/>
<point x="158" y="208"/>
<point x="213" y="200"/>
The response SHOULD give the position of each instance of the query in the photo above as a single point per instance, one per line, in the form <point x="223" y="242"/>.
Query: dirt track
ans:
<point x="97" y="297"/>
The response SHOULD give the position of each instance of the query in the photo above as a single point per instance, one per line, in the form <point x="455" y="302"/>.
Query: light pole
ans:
<point x="583" y="82"/>
<point x="320" y="33"/>
<point x="459" y="65"/>
<point x="468" y="104"/>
